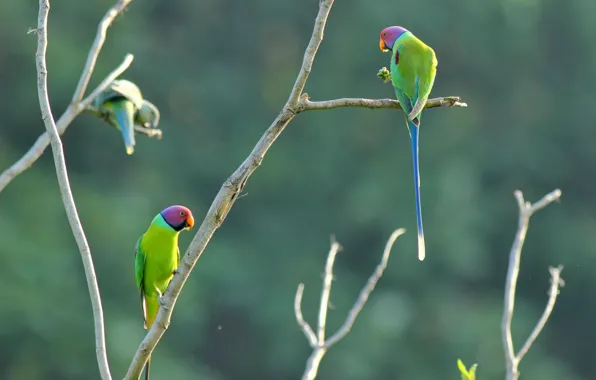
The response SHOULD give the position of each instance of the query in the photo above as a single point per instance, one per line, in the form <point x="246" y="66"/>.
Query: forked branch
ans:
<point x="526" y="210"/>
<point x="319" y="344"/>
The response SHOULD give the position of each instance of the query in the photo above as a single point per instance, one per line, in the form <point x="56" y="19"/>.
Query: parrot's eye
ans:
<point x="385" y="34"/>
<point x="181" y="213"/>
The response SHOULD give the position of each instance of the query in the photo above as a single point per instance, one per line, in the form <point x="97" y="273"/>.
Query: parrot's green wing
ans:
<point x="121" y="88"/>
<point x="139" y="275"/>
<point x="426" y="78"/>
<point x="415" y="73"/>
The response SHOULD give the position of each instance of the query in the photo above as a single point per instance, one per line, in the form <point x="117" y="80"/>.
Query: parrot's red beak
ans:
<point x="190" y="222"/>
<point x="382" y="45"/>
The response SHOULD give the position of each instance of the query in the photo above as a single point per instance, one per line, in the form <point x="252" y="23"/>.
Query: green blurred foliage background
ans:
<point x="220" y="71"/>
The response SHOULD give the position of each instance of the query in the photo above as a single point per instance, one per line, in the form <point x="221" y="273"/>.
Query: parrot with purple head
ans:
<point x="413" y="68"/>
<point x="157" y="257"/>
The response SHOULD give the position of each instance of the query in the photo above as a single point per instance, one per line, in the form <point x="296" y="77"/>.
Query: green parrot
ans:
<point x="148" y="115"/>
<point x="157" y="257"/>
<point x="413" y="70"/>
<point x="120" y="102"/>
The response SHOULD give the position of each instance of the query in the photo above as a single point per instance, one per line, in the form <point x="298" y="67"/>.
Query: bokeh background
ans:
<point x="220" y="71"/>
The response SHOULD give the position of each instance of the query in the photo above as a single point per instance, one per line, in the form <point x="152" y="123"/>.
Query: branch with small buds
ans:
<point x="526" y="210"/>
<point x="319" y="344"/>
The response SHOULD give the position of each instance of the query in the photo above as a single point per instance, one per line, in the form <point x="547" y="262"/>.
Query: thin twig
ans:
<point x="321" y="346"/>
<point x="76" y="106"/>
<point x="65" y="191"/>
<point x="526" y="210"/>
<point x="310" y="52"/>
<point x="555" y="283"/>
<point x="366" y="291"/>
<point x="307" y="105"/>
<point x="100" y="38"/>
<point x="327" y="281"/>
<point x="308" y="332"/>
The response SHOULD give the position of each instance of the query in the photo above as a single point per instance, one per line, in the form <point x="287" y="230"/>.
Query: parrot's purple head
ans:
<point x="389" y="36"/>
<point x="178" y="217"/>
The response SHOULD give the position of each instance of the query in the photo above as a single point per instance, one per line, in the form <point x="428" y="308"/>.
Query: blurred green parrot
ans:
<point x="157" y="257"/>
<point x="120" y="103"/>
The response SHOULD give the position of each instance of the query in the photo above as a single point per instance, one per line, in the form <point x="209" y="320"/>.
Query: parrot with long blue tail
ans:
<point x="157" y="257"/>
<point x="120" y="103"/>
<point x="413" y="68"/>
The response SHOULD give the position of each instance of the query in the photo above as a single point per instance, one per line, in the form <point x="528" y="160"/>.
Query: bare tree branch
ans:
<point x="328" y="280"/>
<point x="310" y="53"/>
<point x="228" y="194"/>
<point x="555" y="283"/>
<point x="321" y="346"/>
<point x="526" y="210"/>
<point x="366" y="291"/>
<point x="76" y="106"/>
<point x="307" y="105"/>
<point x="308" y="332"/>
<point x="65" y="191"/>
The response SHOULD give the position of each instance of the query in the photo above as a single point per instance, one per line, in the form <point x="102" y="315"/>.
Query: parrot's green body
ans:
<point x="413" y="68"/>
<point x="120" y="102"/>
<point x="157" y="256"/>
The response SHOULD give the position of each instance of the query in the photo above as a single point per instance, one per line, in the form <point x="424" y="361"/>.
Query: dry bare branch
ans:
<point x="321" y="346"/>
<point x="526" y="210"/>
<point x="65" y="191"/>
<point x="555" y="283"/>
<point x="308" y="331"/>
<point x="307" y="105"/>
<point x="77" y="105"/>
<point x="326" y="293"/>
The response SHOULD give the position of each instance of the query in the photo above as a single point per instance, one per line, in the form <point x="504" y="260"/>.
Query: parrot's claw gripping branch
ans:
<point x="526" y="210"/>
<point x="319" y="344"/>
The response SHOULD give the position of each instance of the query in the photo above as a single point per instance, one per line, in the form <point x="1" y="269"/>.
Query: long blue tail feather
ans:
<point x="125" y="120"/>
<point x="414" y="134"/>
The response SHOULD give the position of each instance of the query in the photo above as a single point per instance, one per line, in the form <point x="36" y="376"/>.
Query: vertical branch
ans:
<point x="311" y="52"/>
<point x="65" y="191"/>
<point x="327" y="281"/>
<point x="526" y="210"/>
<point x="100" y="38"/>
<point x="320" y="346"/>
